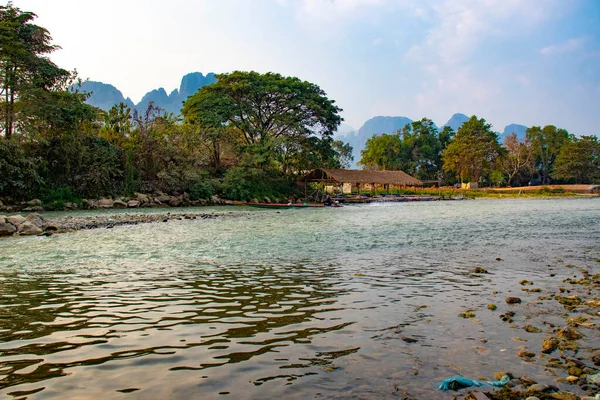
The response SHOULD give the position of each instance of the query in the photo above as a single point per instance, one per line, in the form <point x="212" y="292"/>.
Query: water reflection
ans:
<point x="295" y="305"/>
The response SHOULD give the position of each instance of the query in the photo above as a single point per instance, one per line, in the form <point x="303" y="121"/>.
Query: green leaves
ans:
<point x="473" y="151"/>
<point x="266" y="109"/>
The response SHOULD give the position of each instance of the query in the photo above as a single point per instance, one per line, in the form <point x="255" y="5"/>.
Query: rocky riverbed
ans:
<point x="570" y="345"/>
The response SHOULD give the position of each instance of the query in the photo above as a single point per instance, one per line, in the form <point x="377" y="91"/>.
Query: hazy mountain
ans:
<point x="374" y="126"/>
<point x="520" y="130"/>
<point x="456" y="121"/>
<point x="104" y="96"/>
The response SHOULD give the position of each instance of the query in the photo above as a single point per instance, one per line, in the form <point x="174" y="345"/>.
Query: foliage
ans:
<point x="519" y="158"/>
<point x="253" y="183"/>
<point x="382" y="152"/>
<point x="201" y="190"/>
<point x="268" y="110"/>
<point x="546" y="144"/>
<point x="343" y="154"/>
<point x="579" y="160"/>
<point x="24" y="69"/>
<point x="416" y="150"/>
<point x="474" y="150"/>
<point x="18" y="173"/>
<point x="56" y="198"/>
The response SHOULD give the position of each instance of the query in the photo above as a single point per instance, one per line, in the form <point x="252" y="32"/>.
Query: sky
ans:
<point x="531" y="62"/>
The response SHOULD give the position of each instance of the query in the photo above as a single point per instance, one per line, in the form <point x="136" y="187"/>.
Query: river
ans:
<point x="303" y="303"/>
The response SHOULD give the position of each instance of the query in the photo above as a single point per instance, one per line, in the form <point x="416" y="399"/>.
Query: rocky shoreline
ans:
<point x="138" y="200"/>
<point x="35" y="224"/>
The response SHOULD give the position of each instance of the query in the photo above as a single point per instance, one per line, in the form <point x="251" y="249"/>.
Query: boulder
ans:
<point x="133" y="203"/>
<point x="119" y="204"/>
<point x="174" y="201"/>
<point x="91" y="204"/>
<point x="29" y="228"/>
<point x="163" y="198"/>
<point x="35" y="219"/>
<point x="51" y="228"/>
<point x="34" y="202"/>
<point x="36" y="209"/>
<point x="16" y="220"/>
<point x="1" y="204"/>
<point x="267" y="200"/>
<point x="142" y="198"/>
<point x="105" y="203"/>
<point x="216" y="200"/>
<point x="6" y="229"/>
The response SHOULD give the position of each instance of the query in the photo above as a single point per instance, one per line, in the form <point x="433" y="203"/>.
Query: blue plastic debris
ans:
<point x="460" y="382"/>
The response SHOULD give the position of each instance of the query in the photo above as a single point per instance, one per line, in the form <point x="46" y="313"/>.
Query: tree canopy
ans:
<point x="267" y="110"/>
<point x="473" y="151"/>
<point x="578" y="160"/>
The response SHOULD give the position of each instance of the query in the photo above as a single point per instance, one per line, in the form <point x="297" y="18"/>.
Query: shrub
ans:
<point x="248" y="183"/>
<point x="201" y="190"/>
<point x="19" y="177"/>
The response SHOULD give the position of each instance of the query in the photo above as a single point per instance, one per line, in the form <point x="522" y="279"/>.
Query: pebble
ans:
<point x="513" y="300"/>
<point x="532" y="398"/>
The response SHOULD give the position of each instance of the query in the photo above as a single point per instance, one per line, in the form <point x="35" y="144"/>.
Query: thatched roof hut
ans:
<point x="355" y="176"/>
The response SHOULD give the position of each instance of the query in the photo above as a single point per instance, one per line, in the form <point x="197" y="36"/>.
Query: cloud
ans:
<point x="459" y="27"/>
<point x="561" y="48"/>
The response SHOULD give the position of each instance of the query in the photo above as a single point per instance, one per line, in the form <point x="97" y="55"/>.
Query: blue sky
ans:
<point x="532" y="62"/>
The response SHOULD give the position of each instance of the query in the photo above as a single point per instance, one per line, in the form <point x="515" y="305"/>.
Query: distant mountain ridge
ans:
<point x="105" y="96"/>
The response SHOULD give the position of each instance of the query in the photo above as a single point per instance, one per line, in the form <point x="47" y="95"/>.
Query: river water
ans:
<point x="306" y="303"/>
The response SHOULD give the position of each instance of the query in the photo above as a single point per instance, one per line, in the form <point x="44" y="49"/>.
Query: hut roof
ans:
<point x="355" y="176"/>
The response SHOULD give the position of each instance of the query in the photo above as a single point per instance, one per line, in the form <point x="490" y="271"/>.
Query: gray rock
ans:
<point x="174" y="202"/>
<point x="6" y="229"/>
<point x="133" y="203"/>
<point x="35" y="219"/>
<point x="29" y="228"/>
<point x="541" y="387"/>
<point x="16" y="220"/>
<point x="119" y="204"/>
<point x="216" y="200"/>
<point x="105" y="203"/>
<point x="34" y="202"/>
<point x="36" y="209"/>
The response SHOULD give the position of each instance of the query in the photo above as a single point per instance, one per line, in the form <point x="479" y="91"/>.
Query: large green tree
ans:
<point x="268" y="110"/>
<point x="383" y="152"/>
<point x="474" y="151"/>
<point x="423" y="149"/>
<point x="24" y="66"/>
<point x="578" y="160"/>
<point x="546" y="143"/>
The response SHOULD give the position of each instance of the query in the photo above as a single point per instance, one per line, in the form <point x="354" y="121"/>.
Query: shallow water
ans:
<point x="290" y="304"/>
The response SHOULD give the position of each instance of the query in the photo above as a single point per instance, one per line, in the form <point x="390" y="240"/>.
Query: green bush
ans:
<point x="19" y="177"/>
<point x="249" y="183"/>
<point x="56" y="198"/>
<point x="201" y="190"/>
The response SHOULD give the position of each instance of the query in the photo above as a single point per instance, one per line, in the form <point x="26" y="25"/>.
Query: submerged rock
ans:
<point x="480" y="270"/>
<point x="531" y="329"/>
<point x="513" y="300"/>
<point x="569" y="333"/>
<point x="525" y="353"/>
<point x="549" y="345"/>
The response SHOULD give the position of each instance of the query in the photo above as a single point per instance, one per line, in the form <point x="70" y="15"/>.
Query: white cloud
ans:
<point x="561" y="48"/>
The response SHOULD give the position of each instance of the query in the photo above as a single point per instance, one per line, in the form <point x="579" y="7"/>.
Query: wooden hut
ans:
<point x="361" y="179"/>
